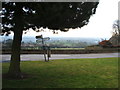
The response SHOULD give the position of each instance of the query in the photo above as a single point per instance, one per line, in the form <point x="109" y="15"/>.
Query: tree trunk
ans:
<point x="14" y="68"/>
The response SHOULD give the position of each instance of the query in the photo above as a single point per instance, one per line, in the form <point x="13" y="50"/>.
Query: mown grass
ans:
<point x="69" y="73"/>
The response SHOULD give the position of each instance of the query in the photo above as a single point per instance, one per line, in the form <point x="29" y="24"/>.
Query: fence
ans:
<point x="84" y="51"/>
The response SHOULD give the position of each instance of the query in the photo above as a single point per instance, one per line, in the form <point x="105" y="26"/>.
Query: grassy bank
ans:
<point x="72" y="73"/>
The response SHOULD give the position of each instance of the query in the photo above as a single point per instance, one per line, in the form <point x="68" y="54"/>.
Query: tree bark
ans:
<point x="14" y="68"/>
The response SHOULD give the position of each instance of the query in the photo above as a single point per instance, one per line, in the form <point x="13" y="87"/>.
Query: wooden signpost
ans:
<point x="45" y="48"/>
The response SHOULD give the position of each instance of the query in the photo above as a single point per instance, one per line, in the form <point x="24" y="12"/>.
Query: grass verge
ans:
<point x="69" y="73"/>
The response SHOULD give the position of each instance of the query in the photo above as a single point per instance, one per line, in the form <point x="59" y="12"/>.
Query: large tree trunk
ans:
<point x="14" y="69"/>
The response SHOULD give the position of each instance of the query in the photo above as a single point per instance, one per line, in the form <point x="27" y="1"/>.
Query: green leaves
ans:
<point x="54" y="15"/>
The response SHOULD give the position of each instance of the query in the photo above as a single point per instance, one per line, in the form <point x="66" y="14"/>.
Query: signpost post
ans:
<point x="41" y="39"/>
<point x="48" y="52"/>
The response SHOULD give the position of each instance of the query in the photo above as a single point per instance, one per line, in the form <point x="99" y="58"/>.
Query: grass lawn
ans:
<point x="69" y="73"/>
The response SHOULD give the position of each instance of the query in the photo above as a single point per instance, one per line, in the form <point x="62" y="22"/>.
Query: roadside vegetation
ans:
<point x="68" y="73"/>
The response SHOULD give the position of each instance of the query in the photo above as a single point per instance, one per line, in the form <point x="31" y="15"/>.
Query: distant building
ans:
<point x="105" y="43"/>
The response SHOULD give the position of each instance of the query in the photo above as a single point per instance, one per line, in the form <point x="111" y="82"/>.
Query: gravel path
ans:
<point x="37" y="57"/>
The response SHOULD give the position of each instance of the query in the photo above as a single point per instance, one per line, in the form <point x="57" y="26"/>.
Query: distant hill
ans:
<point x="33" y="39"/>
<point x="54" y="42"/>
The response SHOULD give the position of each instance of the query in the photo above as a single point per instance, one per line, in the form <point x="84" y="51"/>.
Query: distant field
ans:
<point x="70" y="73"/>
<point x="67" y="48"/>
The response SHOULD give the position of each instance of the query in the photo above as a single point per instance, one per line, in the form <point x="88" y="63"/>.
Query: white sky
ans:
<point x="100" y="24"/>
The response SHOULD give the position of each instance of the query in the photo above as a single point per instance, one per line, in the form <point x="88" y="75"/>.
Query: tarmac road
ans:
<point x="40" y="57"/>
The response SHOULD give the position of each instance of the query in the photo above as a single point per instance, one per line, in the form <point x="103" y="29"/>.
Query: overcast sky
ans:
<point x="100" y="24"/>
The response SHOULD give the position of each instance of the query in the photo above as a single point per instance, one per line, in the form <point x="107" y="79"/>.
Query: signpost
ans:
<point x="42" y="39"/>
<point x="45" y="48"/>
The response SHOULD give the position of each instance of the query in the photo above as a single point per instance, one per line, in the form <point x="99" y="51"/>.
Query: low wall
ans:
<point x="63" y="51"/>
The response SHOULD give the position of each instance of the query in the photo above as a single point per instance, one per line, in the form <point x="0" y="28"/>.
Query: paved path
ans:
<point x="36" y="57"/>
